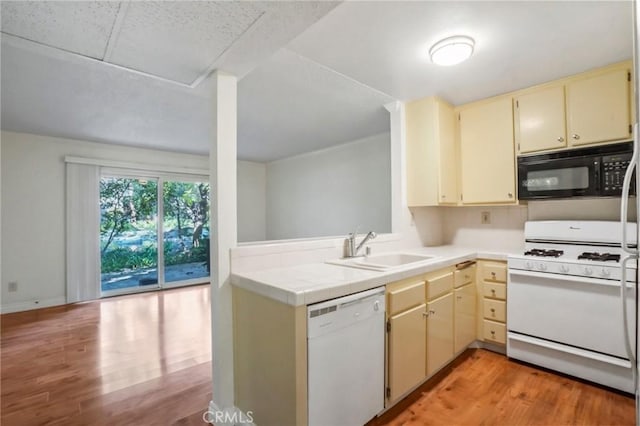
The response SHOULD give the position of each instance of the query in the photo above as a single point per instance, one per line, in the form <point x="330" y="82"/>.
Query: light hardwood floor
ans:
<point x="485" y="388"/>
<point x="142" y="359"/>
<point x="146" y="360"/>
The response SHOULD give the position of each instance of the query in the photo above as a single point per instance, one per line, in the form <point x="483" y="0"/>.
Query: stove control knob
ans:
<point x="542" y="267"/>
<point x="588" y="271"/>
<point x="529" y="265"/>
<point x="605" y="272"/>
<point x="564" y="269"/>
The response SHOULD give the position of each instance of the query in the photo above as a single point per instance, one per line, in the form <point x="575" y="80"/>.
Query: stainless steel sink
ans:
<point x="383" y="262"/>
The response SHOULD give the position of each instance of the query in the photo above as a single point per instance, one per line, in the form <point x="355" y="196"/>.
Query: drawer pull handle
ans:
<point x="459" y="297"/>
<point x="493" y="311"/>
<point x="466" y="277"/>
<point x="493" y="274"/>
<point x="428" y="313"/>
<point x="493" y="333"/>
<point x="493" y="291"/>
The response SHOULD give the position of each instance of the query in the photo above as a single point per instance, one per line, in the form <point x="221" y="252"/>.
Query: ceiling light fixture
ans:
<point x="451" y="50"/>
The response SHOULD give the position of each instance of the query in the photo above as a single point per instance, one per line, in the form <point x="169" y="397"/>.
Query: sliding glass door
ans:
<point x="185" y="230"/>
<point x="139" y="252"/>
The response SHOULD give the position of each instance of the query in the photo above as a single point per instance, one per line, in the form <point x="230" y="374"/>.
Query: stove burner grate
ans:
<point x="544" y="253"/>
<point x="602" y="257"/>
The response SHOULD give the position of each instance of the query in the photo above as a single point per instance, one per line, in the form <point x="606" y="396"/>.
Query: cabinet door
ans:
<point x="431" y="153"/>
<point x="540" y="121"/>
<point x="406" y="351"/>
<point x="447" y="166"/>
<point x="487" y="153"/>
<point x="598" y="108"/>
<point x="439" y="332"/>
<point x="465" y="317"/>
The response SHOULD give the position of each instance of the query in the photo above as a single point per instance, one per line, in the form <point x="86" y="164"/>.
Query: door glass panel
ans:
<point x="128" y="233"/>
<point x="557" y="179"/>
<point x="186" y="230"/>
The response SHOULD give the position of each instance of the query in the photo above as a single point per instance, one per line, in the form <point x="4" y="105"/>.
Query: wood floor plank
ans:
<point x="140" y="359"/>
<point x="485" y="388"/>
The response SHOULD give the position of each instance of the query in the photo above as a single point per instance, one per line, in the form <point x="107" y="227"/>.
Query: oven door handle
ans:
<point x="625" y="324"/>
<point x="571" y="278"/>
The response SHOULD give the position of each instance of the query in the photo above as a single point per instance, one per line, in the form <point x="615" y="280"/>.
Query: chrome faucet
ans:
<point x="351" y="248"/>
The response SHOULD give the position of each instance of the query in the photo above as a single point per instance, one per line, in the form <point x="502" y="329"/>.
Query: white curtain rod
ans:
<point x="163" y="168"/>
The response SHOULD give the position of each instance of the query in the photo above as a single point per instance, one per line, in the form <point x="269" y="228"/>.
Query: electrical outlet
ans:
<point x="485" y="218"/>
<point x="13" y="286"/>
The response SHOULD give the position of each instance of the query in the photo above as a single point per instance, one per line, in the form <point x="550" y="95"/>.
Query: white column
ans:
<point x="222" y="165"/>
<point x="400" y="214"/>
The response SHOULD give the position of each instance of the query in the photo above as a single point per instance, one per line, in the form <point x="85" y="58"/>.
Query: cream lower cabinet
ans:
<point x="488" y="173"/>
<point x="492" y="327"/>
<point x="439" y="333"/>
<point x="439" y="286"/>
<point x="465" y="317"/>
<point x="419" y="330"/>
<point x="464" y="324"/>
<point x="406" y="336"/>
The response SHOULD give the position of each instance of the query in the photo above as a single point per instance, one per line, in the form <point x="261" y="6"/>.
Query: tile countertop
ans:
<point x="316" y="282"/>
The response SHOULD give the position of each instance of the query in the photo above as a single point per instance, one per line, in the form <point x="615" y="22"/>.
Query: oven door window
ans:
<point x="574" y="178"/>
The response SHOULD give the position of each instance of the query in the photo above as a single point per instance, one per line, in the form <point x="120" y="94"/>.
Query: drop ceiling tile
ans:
<point x="180" y="40"/>
<point x="76" y="26"/>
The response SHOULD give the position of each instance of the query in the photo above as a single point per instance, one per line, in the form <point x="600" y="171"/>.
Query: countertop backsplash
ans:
<point x="463" y="227"/>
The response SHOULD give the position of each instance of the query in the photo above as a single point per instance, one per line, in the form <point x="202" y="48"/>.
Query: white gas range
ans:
<point x="564" y="308"/>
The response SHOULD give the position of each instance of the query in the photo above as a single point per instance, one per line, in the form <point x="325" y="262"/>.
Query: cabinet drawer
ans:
<point x="464" y="276"/>
<point x="495" y="272"/>
<point x="495" y="332"/>
<point x="406" y="297"/>
<point x="495" y="290"/>
<point x="495" y="310"/>
<point x="439" y="285"/>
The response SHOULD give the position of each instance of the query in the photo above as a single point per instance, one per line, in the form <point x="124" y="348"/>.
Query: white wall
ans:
<point x="252" y="193"/>
<point x="332" y="191"/>
<point x="462" y="227"/>
<point x="33" y="209"/>
<point x="585" y="209"/>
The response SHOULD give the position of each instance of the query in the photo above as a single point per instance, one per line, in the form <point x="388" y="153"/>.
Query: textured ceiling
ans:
<point x="518" y="43"/>
<point x="180" y="41"/>
<point x="79" y="27"/>
<point x="291" y="105"/>
<point x="325" y="87"/>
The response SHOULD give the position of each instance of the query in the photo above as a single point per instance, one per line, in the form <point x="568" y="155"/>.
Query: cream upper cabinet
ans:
<point x="598" y="108"/>
<point x="539" y="120"/>
<point x="431" y="153"/>
<point x="590" y="108"/>
<point x="487" y="152"/>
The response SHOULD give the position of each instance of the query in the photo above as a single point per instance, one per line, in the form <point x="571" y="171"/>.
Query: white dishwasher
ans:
<point x="346" y="359"/>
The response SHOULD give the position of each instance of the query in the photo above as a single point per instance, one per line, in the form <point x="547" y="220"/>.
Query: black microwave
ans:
<point x="584" y="172"/>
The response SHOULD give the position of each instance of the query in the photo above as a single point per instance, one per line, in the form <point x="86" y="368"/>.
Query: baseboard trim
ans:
<point x="32" y="304"/>
<point x="232" y="416"/>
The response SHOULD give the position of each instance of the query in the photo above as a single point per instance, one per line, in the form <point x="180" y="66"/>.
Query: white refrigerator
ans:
<point x="632" y="252"/>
